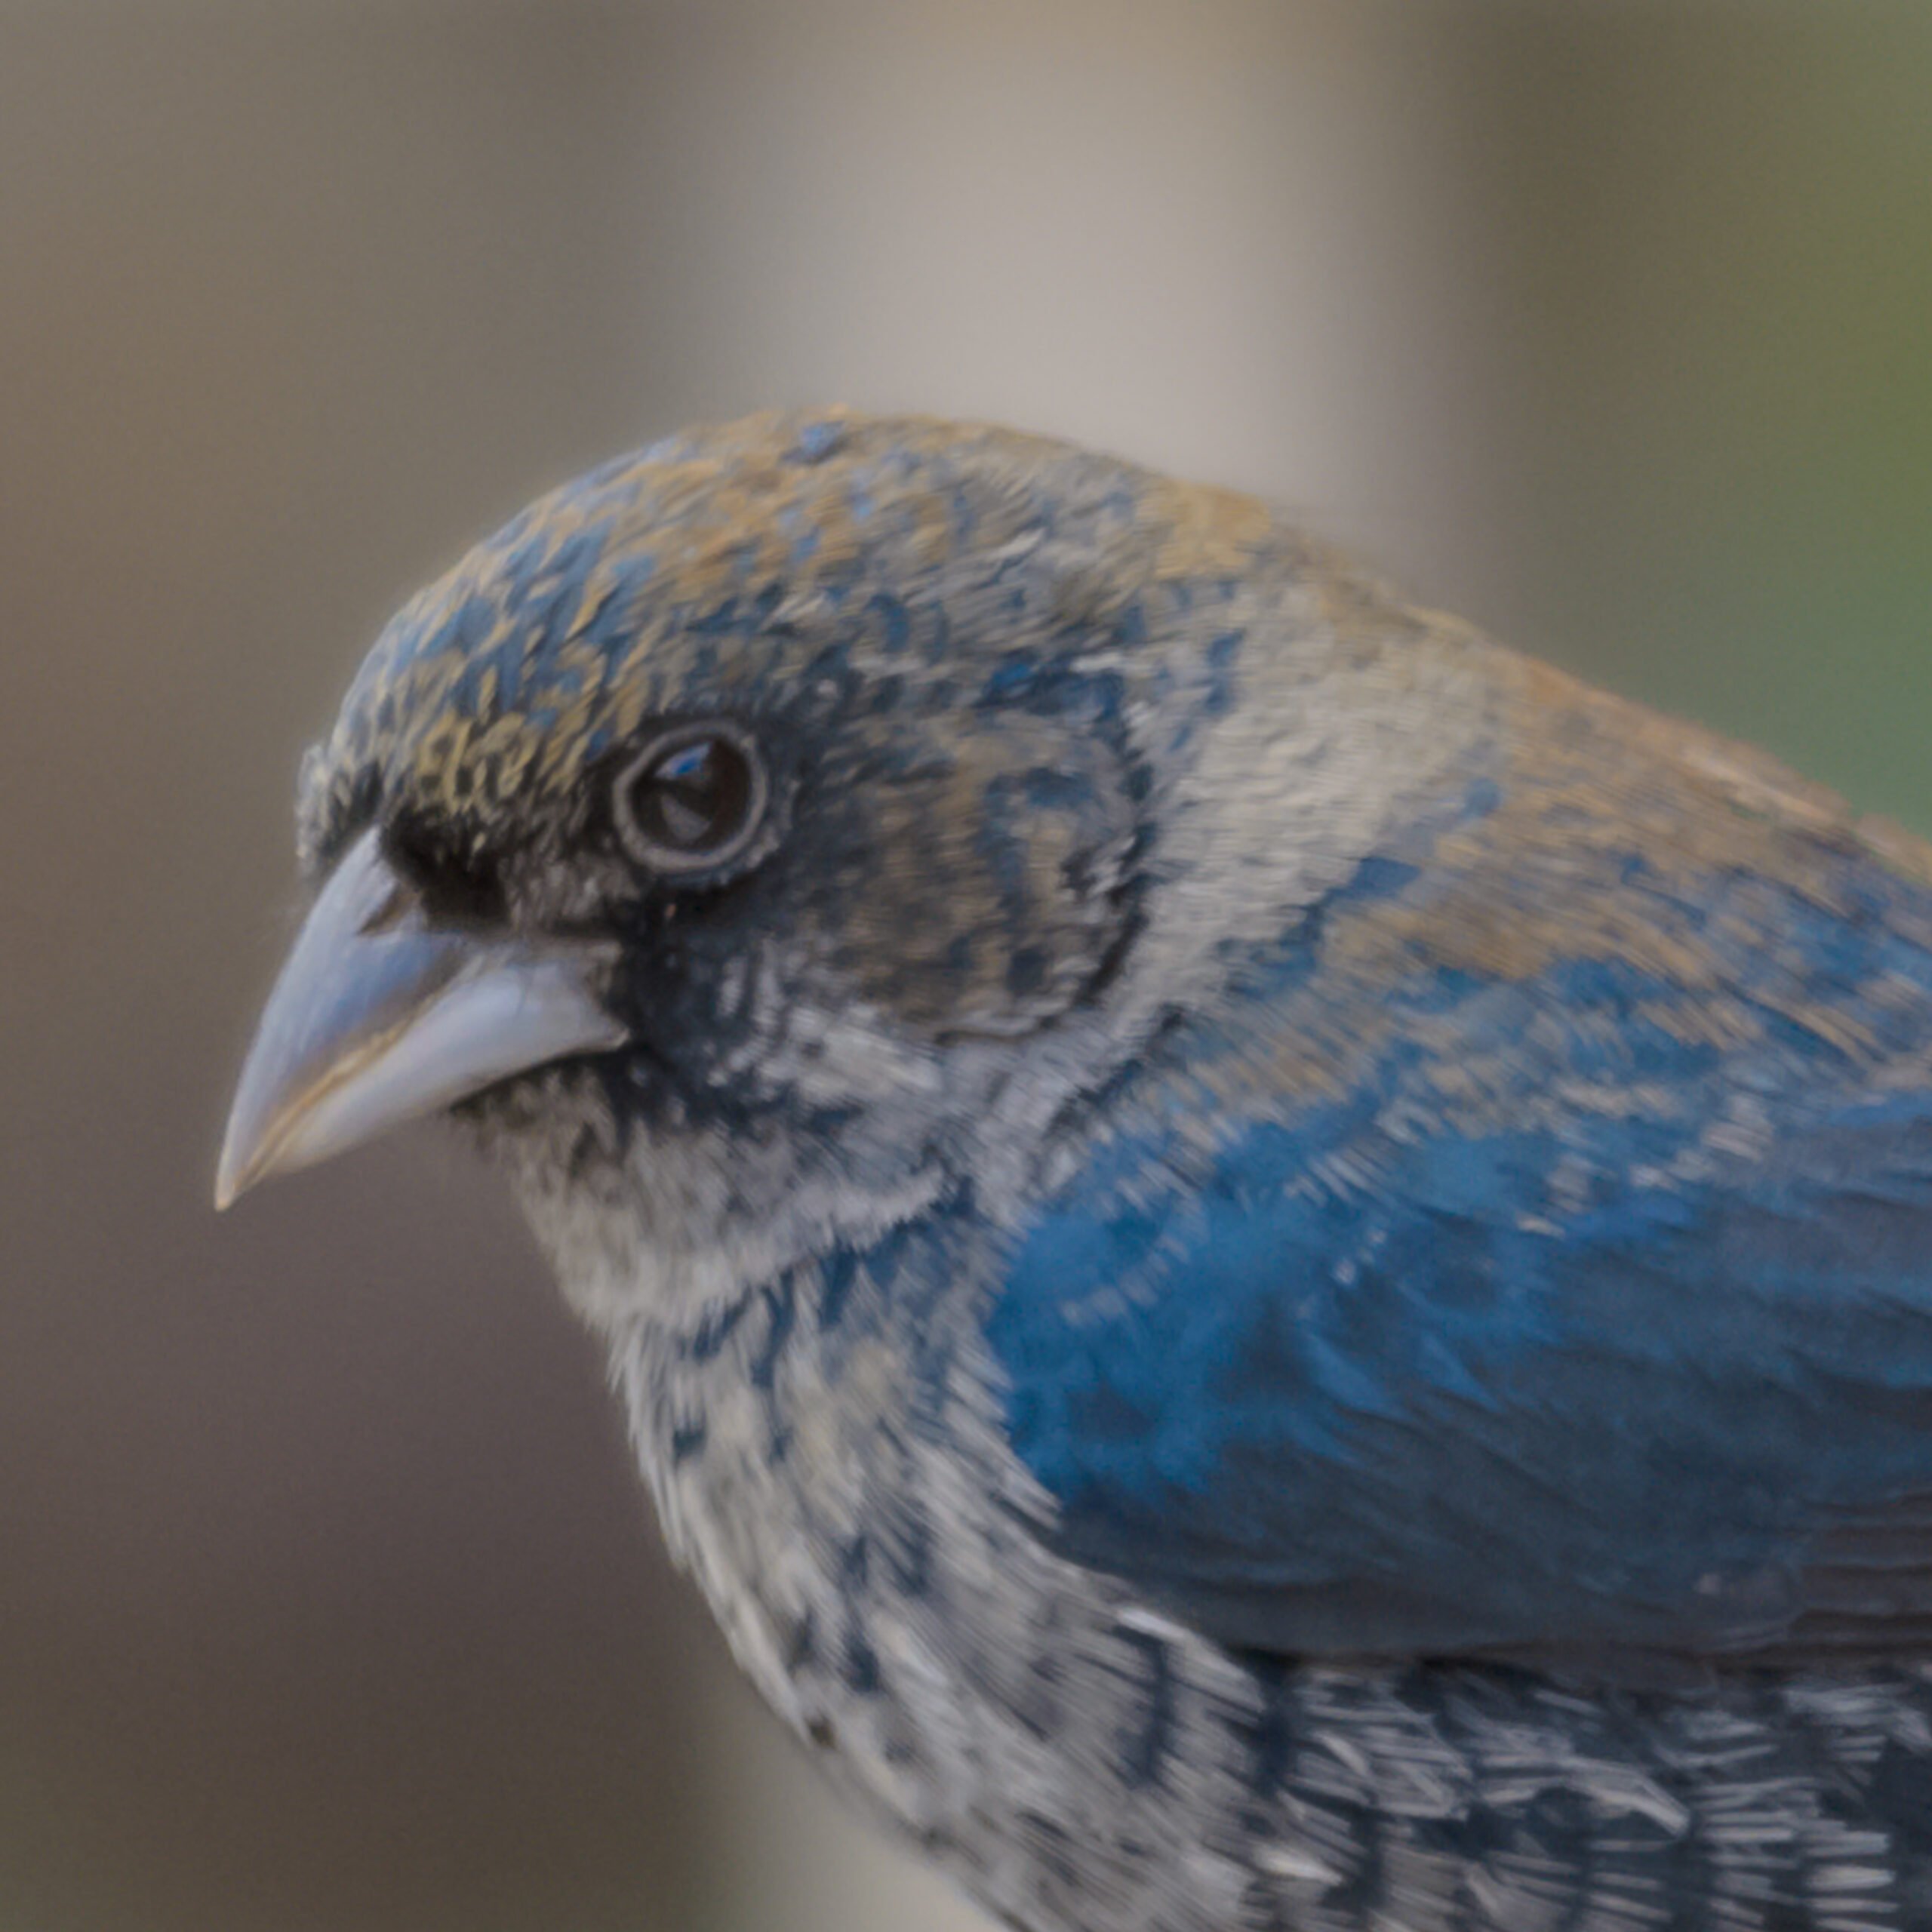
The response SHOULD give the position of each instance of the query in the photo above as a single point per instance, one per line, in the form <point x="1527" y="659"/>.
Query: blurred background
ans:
<point x="327" y="1599"/>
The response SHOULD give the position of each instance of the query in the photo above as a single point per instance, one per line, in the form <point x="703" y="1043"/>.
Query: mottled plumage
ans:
<point x="1272" y="1264"/>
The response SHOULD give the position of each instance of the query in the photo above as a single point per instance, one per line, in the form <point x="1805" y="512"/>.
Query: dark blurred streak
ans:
<point x="1711" y="259"/>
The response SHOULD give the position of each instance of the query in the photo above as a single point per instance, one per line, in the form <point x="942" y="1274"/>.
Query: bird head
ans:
<point x="725" y="837"/>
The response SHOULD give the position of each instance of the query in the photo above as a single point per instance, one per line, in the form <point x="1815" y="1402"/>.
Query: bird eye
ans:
<point x="691" y="800"/>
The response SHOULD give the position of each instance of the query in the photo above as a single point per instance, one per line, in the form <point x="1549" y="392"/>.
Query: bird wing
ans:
<point x="1530" y="1254"/>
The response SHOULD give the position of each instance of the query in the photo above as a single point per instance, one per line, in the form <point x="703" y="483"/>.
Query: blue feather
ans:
<point x="1370" y="1371"/>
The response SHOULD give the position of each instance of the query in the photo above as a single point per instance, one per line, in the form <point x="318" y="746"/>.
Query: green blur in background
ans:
<point x="327" y="1599"/>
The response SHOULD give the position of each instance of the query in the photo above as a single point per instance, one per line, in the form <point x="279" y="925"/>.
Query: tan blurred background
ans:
<point x="327" y="1597"/>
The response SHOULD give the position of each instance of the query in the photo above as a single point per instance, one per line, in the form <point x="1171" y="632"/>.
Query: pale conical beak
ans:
<point x="379" y="1016"/>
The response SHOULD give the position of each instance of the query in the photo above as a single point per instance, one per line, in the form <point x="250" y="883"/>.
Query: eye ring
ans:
<point x="693" y="800"/>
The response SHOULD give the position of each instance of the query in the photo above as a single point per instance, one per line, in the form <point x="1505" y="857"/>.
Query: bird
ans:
<point x="1272" y="1264"/>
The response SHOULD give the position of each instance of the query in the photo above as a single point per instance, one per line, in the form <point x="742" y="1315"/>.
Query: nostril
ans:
<point x="453" y="886"/>
<point x="396" y="906"/>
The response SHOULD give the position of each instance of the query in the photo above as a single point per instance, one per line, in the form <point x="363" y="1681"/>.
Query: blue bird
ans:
<point x="1275" y="1267"/>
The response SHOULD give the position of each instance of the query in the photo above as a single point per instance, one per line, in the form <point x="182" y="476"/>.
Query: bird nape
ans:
<point x="1274" y="1265"/>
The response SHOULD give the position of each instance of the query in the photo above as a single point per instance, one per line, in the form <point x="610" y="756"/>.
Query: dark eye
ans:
<point x="692" y="799"/>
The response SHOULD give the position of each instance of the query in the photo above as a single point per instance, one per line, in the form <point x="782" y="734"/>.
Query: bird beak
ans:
<point x="379" y="1016"/>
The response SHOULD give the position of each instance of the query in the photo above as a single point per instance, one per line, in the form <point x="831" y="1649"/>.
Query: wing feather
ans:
<point x="1579" y="1306"/>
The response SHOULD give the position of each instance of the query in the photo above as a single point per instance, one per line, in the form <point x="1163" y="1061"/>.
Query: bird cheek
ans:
<point x="992" y="902"/>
